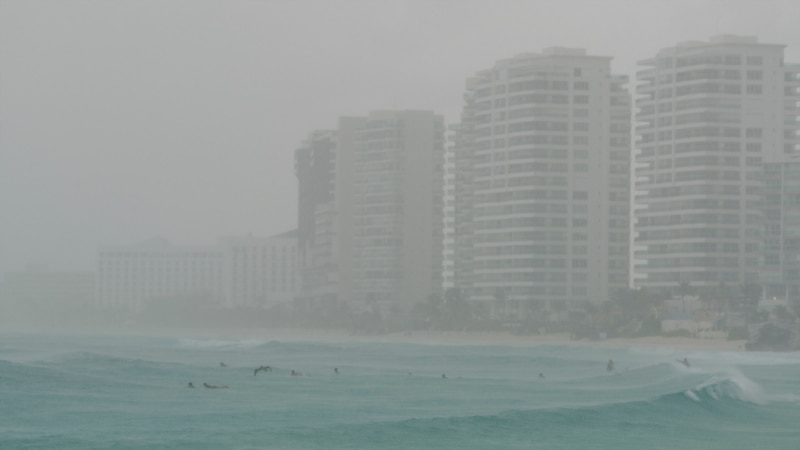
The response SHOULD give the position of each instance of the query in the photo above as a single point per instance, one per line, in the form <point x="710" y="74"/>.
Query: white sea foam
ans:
<point x="732" y="384"/>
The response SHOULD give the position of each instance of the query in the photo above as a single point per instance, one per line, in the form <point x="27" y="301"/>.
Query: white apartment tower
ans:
<point x="545" y="142"/>
<point x="389" y="185"/>
<point x="709" y="114"/>
<point x="315" y="168"/>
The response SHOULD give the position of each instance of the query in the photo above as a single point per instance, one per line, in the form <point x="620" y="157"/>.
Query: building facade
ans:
<point x="242" y="271"/>
<point x="131" y="277"/>
<point x="779" y="273"/>
<point x="389" y="204"/>
<point x="315" y="168"/>
<point x="544" y="151"/>
<point x="260" y="272"/>
<point x="710" y="114"/>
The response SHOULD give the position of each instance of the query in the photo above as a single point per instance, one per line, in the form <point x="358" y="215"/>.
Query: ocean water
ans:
<point x="101" y="392"/>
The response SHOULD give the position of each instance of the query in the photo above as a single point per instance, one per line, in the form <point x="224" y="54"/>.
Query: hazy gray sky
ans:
<point x="125" y="120"/>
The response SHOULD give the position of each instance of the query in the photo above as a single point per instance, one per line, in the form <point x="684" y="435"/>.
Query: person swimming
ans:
<point x="222" y="364"/>
<point x="541" y="375"/>
<point x="296" y="373"/>
<point x="190" y="385"/>
<point x="610" y="366"/>
<point x="336" y="370"/>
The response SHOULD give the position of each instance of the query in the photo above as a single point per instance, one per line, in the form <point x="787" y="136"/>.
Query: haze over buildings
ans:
<point x="120" y="121"/>
<point x="257" y="127"/>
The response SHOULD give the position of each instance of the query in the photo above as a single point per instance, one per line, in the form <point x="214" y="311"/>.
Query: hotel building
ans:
<point x="389" y="185"/>
<point x="545" y="151"/>
<point x="709" y="116"/>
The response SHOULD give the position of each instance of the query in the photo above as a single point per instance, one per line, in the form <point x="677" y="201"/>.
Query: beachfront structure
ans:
<point x="259" y="272"/>
<point x="389" y="185"/>
<point x="779" y="271"/>
<point x="241" y="271"/>
<point x="130" y="277"/>
<point x="315" y="168"/>
<point x="458" y="194"/>
<point x="544" y="148"/>
<point x="448" y="212"/>
<point x="709" y="115"/>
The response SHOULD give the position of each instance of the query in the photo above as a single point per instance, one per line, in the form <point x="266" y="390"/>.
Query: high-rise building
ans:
<point x="315" y="167"/>
<point x="389" y="185"/>
<point x="710" y="114"/>
<point x="543" y="156"/>
<point x="779" y="272"/>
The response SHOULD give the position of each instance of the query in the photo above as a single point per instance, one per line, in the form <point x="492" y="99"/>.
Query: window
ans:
<point x="580" y="126"/>
<point x="754" y="89"/>
<point x="753" y="132"/>
<point x="754" y="75"/>
<point x="753" y="147"/>
<point x="754" y="60"/>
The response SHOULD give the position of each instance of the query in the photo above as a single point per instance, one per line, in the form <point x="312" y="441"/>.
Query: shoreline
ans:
<point x="470" y="338"/>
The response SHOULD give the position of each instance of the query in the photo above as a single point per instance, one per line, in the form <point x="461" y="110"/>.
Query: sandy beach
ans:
<point x="413" y="337"/>
<point x="473" y="338"/>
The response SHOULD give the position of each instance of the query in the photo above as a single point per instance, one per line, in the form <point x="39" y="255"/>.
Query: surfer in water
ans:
<point x="212" y="386"/>
<point x="684" y="361"/>
<point x="610" y="366"/>
<point x="336" y="370"/>
<point x="262" y="368"/>
<point x="190" y="385"/>
<point x="296" y="373"/>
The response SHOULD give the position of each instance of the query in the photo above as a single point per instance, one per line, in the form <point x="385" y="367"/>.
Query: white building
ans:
<point x="260" y="272"/>
<point x="709" y="115"/>
<point x="546" y="140"/>
<point x="449" y="212"/>
<point x="315" y="168"/>
<point x="389" y="207"/>
<point x="130" y="277"/>
<point x="238" y="271"/>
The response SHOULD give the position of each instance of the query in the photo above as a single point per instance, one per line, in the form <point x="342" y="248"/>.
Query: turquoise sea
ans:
<point x="103" y="392"/>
